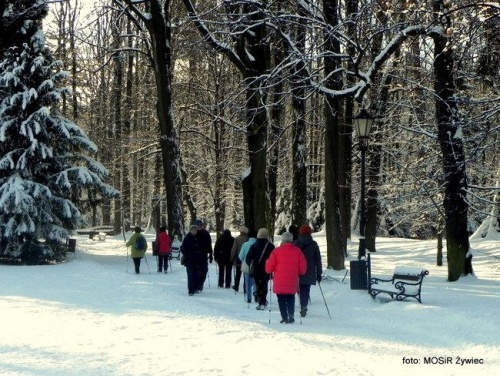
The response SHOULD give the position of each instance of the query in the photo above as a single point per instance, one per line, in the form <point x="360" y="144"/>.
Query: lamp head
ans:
<point x="363" y="123"/>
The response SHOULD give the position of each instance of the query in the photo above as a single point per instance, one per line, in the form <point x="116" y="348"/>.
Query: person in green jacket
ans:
<point x="137" y="254"/>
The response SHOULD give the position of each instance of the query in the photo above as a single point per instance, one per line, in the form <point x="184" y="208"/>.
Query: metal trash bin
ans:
<point x="358" y="277"/>
<point x="71" y="245"/>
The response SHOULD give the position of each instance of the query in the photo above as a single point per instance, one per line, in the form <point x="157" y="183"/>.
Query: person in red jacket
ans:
<point x="287" y="262"/>
<point x="163" y="244"/>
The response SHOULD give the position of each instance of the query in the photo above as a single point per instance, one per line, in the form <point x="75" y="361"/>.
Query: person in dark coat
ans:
<point x="163" y="244"/>
<point x="235" y="251"/>
<point x="314" y="267"/>
<point x="222" y="256"/>
<point x="206" y="252"/>
<point x="258" y="253"/>
<point x="294" y="230"/>
<point x="192" y="256"/>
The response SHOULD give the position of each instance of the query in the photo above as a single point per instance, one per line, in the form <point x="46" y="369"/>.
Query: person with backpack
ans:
<point x="256" y="259"/>
<point x="222" y="256"/>
<point x="139" y="246"/>
<point x="249" y="283"/>
<point x="163" y="246"/>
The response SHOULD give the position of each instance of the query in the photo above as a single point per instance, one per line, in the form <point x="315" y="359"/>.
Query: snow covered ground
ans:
<point x="90" y="317"/>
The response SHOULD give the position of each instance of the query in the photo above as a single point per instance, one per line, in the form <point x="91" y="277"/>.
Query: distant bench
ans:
<point x="100" y="231"/>
<point x="406" y="282"/>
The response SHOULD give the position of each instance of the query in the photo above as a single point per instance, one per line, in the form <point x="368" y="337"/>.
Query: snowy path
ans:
<point x="89" y="317"/>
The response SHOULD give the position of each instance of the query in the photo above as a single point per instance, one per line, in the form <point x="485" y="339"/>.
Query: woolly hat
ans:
<point x="244" y="230"/>
<point x="137" y="229"/>
<point x="263" y="234"/>
<point x="198" y="222"/>
<point x="287" y="237"/>
<point x="192" y="227"/>
<point x="305" y="230"/>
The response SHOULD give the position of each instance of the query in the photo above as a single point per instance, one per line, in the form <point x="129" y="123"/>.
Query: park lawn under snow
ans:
<point x="93" y="316"/>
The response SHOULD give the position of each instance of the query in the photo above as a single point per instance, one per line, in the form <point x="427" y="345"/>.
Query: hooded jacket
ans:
<point x="223" y="245"/>
<point x="311" y="252"/>
<point x="163" y="241"/>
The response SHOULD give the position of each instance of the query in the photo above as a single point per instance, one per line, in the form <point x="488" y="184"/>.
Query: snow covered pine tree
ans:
<point x="44" y="158"/>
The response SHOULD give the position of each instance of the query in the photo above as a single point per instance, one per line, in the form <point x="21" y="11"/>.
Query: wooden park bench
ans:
<point x="99" y="231"/>
<point x="406" y="282"/>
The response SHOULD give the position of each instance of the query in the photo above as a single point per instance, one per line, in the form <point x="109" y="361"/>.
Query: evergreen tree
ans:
<point x="45" y="163"/>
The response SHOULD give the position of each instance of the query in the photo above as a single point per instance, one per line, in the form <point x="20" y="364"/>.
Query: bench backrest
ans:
<point x="405" y="273"/>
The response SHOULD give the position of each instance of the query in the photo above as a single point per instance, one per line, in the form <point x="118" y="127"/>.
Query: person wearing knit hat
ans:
<point x="286" y="263"/>
<point x="314" y="271"/>
<point x="137" y="254"/>
<point x="257" y="255"/>
<point x="249" y="283"/>
<point x="190" y="254"/>
<point x="263" y="234"/>
<point x="305" y="230"/>
<point x="235" y="250"/>
<point x="205" y="252"/>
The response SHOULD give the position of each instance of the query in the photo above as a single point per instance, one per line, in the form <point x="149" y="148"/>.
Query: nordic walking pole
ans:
<point x="217" y="272"/>
<point x="208" y="275"/>
<point x="127" y="260"/>
<point x="234" y="278"/>
<point x="320" y="289"/>
<point x="147" y="264"/>
<point x="270" y="296"/>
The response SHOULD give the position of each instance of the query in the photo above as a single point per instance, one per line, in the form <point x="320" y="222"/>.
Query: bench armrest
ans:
<point x="375" y="280"/>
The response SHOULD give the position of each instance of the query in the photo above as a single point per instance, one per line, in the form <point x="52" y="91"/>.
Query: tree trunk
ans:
<point x="455" y="186"/>
<point x="334" y="235"/>
<point x="159" y="30"/>
<point x="277" y="115"/>
<point x="299" y="167"/>
<point x="257" y="125"/>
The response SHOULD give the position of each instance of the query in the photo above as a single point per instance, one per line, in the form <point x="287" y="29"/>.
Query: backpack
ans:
<point x="140" y="243"/>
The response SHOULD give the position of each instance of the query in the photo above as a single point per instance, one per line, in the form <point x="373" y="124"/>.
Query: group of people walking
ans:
<point x="295" y="265"/>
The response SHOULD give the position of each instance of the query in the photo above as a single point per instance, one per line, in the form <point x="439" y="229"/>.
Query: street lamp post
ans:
<point x="363" y="124"/>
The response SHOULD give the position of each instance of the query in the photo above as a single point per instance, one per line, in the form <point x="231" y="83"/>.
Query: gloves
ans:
<point x="210" y="259"/>
<point x="319" y="279"/>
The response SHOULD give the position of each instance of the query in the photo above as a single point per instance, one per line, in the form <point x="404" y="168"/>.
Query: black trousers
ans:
<point x="196" y="277"/>
<point x="261" y="284"/>
<point x="137" y="264"/>
<point x="286" y="302"/>
<point x="237" y="276"/>
<point x="225" y="270"/>
<point x="162" y="262"/>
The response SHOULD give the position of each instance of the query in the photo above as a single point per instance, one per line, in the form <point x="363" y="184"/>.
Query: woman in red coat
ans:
<point x="163" y="244"/>
<point x="287" y="262"/>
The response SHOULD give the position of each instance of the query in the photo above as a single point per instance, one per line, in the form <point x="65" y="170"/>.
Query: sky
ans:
<point x="93" y="316"/>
